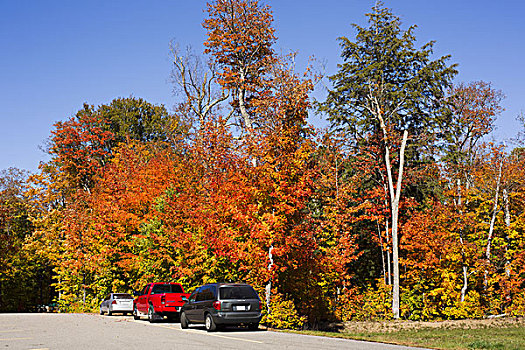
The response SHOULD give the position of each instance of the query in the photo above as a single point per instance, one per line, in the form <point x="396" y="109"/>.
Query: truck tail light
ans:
<point x="217" y="305"/>
<point x="163" y="299"/>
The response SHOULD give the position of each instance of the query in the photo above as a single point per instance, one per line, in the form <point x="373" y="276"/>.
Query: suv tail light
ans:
<point x="113" y="302"/>
<point x="217" y="305"/>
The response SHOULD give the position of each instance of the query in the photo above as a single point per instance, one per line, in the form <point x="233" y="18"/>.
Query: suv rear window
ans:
<point x="166" y="288"/>
<point x="237" y="292"/>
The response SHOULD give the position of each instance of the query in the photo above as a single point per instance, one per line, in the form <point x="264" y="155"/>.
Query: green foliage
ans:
<point x="383" y="64"/>
<point x="135" y="119"/>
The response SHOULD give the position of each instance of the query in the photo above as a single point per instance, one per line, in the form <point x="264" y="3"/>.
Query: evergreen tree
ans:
<point x="390" y="93"/>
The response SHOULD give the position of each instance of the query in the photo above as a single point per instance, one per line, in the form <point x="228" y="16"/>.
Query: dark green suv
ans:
<point x="220" y="304"/>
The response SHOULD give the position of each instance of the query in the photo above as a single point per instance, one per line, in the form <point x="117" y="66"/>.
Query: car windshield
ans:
<point x="237" y="292"/>
<point x="166" y="288"/>
<point x="122" y="296"/>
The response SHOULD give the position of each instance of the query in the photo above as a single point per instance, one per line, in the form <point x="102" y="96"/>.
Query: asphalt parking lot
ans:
<point x="90" y="331"/>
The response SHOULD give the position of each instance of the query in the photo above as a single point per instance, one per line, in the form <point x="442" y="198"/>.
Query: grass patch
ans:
<point x="506" y="338"/>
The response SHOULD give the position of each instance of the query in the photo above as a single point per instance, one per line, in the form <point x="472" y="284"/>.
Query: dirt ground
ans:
<point x="391" y="326"/>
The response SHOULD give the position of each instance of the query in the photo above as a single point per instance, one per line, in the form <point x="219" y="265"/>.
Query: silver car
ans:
<point x="117" y="302"/>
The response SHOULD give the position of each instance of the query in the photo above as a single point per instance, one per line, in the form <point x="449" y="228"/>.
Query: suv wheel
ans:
<point x="183" y="321"/>
<point x="210" y="324"/>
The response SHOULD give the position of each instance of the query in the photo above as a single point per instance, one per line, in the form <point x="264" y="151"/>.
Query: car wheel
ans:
<point x="135" y="313"/>
<point x="210" y="324"/>
<point x="151" y="314"/>
<point x="253" y="326"/>
<point x="184" y="323"/>
<point x="101" y="312"/>
<point x="109" y="312"/>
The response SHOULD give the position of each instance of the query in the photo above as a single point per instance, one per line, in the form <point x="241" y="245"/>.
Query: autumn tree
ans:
<point x="433" y="258"/>
<point x="389" y="90"/>
<point x="80" y="148"/>
<point x="106" y="243"/>
<point x="84" y="143"/>
<point x="495" y="205"/>
<point x="24" y="279"/>
<point x="195" y="79"/>
<point x="240" y="39"/>
<point x="474" y="108"/>
<point x="14" y="226"/>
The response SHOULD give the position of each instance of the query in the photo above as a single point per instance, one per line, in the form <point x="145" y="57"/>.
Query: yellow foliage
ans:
<point x="370" y="304"/>
<point x="283" y="314"/>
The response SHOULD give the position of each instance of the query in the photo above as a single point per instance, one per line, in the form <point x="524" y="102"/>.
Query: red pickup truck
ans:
<point x="158" y="300"/>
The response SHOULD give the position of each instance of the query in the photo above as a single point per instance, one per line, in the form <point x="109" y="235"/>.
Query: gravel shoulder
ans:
<point x="397" y="325"/>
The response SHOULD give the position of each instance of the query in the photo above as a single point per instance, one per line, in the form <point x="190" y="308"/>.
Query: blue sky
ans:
<point x="56" y="55"/>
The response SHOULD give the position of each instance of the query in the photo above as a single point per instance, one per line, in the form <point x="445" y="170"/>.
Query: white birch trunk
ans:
<point x="506" y="206"/>
<point x="395" y="194"/>
<point x="269" y="285"/>
<point x="491" y="227"/>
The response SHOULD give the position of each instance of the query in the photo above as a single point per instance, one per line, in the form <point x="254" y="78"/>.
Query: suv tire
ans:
<point x="210" y="324"/>
<point x="183" y="321"/>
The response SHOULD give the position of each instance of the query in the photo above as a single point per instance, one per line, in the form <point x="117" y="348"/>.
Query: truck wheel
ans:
<point x="210" y="324"/>
<point x="135" y="313"/>
<point x="183" y="321"/>
<point x="151" y="314"/>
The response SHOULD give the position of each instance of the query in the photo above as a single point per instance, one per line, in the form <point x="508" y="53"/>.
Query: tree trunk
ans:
<point x="463" y="258"/>
<point x="491" y="227"/>
<point x="506" y="208"/>
<point x="465" y="283"/>
<point x="83" y="292"/>
<point x="395" y="194"/>
<point x="382" y="251"/>
<point x="387" y="231"/>
<point x="388" y="256"/>
<point x="241" y="91"/>
<point x="269" y="285"/>
<point x="246" y="117"/>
